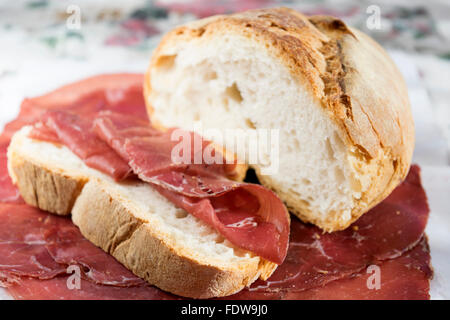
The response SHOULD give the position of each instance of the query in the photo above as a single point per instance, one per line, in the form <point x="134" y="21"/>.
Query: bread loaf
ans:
<point x="346" y="132"/>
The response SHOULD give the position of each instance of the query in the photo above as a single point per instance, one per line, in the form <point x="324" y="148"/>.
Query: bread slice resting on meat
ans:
<point x="346" y="132"/>
<point x="160" y="243"/>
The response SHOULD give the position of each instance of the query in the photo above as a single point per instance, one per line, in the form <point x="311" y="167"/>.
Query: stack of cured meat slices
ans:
<point x="383" y="255"/>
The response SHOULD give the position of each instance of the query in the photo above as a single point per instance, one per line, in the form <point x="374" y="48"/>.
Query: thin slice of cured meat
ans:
<point x="39" y="245"/>
<point x="58" y="289"/>
<point x="117" y="88"/>
<point x="248" y="215"/>
<point x="71" y="130"/>
<point x="118" y="92"/>
<point x="22" y="243"/>
<point x="385" y="232"/>
<point x="404" y="278"/>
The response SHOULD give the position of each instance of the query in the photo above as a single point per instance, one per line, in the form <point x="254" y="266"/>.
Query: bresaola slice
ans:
<point x="404" y="277"/>
<point x="388" y="230"/>
<point x="76" y="133"/>
<point x="57" y="289"/>
<point x="22" y="244"/>
<point x="248" y="215"/>
<point x="118" y="92"/>
<point x="39" y="245"/>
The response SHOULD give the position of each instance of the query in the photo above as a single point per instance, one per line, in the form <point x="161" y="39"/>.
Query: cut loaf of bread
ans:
<point x="346" y="133"/>
<point x="160" y="243"/>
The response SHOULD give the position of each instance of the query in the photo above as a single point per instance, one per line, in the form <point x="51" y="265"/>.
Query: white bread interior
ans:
<point x="258" y="93"/>
<point x="277" y="69"/>
<point x="149" y="235"/>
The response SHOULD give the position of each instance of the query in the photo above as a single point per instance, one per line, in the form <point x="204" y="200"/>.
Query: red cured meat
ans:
<point x="383" y="237"/>
<point x="385" y="232"/>
<point x="22" y="244"/>
<point x="57" y="289"/>
<point x="76" y="132"/>
<point x="36" y="244"/>
<point x="404" y="278"/>
<point x="118" y="92"/>
<point x="248" y="215"/>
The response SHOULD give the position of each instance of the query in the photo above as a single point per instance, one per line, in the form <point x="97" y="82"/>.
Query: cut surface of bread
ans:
<point x="157" y="241"/>
<point x="338" y="101"/>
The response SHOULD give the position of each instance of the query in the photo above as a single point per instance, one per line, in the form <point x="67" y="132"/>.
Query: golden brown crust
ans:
<point x="43" y="189"/>
<point x="109" y="224"/>
<point x="349" y="74"/>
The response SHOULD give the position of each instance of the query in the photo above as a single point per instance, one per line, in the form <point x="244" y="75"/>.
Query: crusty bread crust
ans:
<point x="44" y="189"/>
<point x="111" y="226"/>
<point x="350" y="76"/>
<point x="104" y="219"/>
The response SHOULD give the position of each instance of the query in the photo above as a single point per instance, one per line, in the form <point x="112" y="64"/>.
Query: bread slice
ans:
<point x="160" y="243"/>
<point x="346" y="133"/>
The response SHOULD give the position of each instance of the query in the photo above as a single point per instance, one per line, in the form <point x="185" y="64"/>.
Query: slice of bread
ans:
<point x="346" y="132"/>
<point x="160" y="243"/>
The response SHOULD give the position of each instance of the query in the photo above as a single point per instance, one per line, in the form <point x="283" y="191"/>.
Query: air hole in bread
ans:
<point x="251" y="177"/>
<point x="339" y="175"/>
<point x="211" y="75"/>
<point x="219" y="239"/>
<point x="306" y="181"/>
<point x="296" y="145"/>
<point x="338" y="143"/>
<point x="250" y="124"/>
<point x="225" y="104"/>
<point x="166" y="62"/>
<point x="181" y="214"/>
<point x="355" y="183"/>
<point x="200" y="32"/>
<point x="234" y="93"/>
<point x="329" y="149"/>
